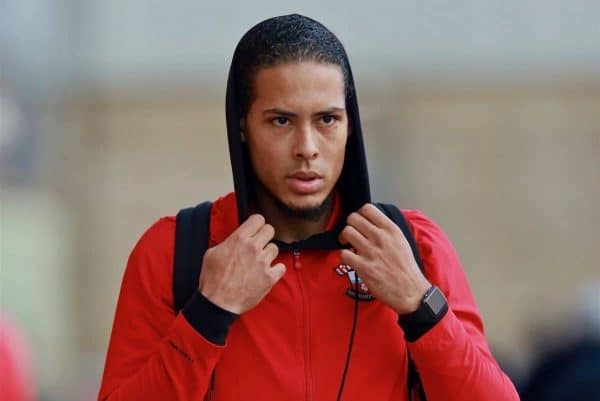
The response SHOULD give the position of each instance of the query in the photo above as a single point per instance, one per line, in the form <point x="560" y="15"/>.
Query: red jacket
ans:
<point x="293" y="345"/>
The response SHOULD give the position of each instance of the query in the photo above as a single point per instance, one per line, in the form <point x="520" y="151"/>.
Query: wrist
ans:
<point x="218" y="301"/>
<point x="209" y="319"/>
<point x="414" y="302"/>
<point x="433" y="307"/>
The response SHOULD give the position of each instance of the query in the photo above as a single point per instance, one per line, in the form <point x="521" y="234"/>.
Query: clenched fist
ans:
<point x="237" y="273"/>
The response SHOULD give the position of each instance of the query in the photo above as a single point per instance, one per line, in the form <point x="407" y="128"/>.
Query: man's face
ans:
<point x="296" y="130"/>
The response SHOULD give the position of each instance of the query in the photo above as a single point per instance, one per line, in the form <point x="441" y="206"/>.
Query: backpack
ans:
<point x="191" y="241"/>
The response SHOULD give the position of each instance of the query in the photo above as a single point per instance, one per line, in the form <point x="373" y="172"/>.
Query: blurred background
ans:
<point x="484" y="115"/>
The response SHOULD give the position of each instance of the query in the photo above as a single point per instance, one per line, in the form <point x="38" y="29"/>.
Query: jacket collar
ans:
<point x="224" y="221"/>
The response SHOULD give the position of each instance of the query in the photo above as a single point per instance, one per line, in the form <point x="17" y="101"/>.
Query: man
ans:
<point x="273" y="312"/>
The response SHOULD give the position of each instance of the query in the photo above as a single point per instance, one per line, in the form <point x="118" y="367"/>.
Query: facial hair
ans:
<point x="310" y="213"/>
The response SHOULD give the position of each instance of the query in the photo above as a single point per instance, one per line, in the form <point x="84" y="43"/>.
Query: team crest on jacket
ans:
<point x="363" y="291"/>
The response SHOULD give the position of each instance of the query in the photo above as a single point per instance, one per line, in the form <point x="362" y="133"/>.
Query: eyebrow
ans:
<point x="287" y="113"/>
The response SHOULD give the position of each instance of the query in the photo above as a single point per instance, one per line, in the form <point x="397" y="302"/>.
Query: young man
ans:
<point x="273" y="314"/>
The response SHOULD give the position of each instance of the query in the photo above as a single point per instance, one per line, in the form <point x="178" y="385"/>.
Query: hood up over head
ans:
<point x="278" y="40"/>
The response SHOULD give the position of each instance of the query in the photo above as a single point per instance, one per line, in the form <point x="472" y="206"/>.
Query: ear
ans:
<point x="243" y="128"/>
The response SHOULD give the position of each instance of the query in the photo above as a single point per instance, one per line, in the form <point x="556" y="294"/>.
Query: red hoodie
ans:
<point x="293" y="344"/>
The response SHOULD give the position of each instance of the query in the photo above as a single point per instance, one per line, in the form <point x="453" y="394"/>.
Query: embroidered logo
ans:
<point x="363" y="291"/>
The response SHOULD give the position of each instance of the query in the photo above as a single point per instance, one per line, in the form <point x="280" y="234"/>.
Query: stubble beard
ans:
<point x="314" y="213"/>
<point x="310" y="213"/>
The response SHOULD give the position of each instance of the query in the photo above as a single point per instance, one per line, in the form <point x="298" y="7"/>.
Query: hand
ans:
<point x="383" y="259"/>
<point x="237" y="273"/>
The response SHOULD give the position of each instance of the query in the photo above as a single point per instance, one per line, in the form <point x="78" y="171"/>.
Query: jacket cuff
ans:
<point x="439" y="342"/>
<point x="208" y="319"/>
<point x="414" y="326"/>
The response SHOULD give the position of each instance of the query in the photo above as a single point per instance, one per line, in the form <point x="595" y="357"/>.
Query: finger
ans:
<point x="352" y="236"/>
<point x="264" y="235"/>
<point x="364" y="226"/>
<point x="376" y="216"/>
<point x="351" y="259"/>
<point x="276" y="272"/>
<point x="270" y="253"/>
<point x="251" y="226"/>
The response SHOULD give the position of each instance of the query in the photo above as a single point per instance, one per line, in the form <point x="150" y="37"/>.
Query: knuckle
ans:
<point x="396" y="230"/>
<point x="242" y="240"/>
<point x="209" y="254"/>
<point x="247" y="244"/>
<point x="401" y="238"/>
<point x="235" y="236"/>
<point x="254" y="246"/>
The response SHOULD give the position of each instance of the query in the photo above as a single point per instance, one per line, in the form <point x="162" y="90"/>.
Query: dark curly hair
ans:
<point x="280" y="40"/>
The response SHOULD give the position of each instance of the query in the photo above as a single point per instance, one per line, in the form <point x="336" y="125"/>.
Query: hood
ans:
<point x="353" y="184"/>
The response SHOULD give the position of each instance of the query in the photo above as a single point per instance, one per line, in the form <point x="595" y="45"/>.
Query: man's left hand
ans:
<point x="383" y="259"/>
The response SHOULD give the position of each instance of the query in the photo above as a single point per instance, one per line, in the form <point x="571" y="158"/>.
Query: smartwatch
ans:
<point x="432" y="309"/>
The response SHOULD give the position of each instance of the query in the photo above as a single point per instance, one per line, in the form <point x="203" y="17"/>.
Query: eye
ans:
<point x="281" y="121"/>
<point x="329" y="119"/>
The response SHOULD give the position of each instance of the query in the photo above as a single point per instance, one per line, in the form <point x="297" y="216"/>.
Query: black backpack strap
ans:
<point x="191" y="241"/>
<point x="414" y="381"/>
<point x="397" y="217"/>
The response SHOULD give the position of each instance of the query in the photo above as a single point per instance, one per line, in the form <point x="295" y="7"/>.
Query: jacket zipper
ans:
<point x="210" y="394"/>
<point x="305" y="322"/>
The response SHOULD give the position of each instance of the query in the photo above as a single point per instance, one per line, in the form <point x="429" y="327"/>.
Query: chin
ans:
<point x="304" y="202"/>
<point x="310" y="206"/>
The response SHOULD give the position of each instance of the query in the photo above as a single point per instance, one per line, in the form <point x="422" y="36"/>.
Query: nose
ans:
<point x="305" y="146"/>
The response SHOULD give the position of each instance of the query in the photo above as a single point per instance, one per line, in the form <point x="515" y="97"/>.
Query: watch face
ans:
<point x="436" y="302"/>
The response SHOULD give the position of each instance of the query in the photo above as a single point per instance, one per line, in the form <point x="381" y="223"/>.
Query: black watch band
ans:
<point x="432" y="309"/>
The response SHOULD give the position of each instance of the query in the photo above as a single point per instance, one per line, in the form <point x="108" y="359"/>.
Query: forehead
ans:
<point x="299" y="84"/>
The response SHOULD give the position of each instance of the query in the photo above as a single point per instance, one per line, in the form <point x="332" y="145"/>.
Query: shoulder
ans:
<point x="428" y="233"/>
<point x="158" y="238"/>
<point x="440" y="258"/>
<point x="155" y="248"/>
<point x="150" y="264"/>
<point x="443" y="269"/>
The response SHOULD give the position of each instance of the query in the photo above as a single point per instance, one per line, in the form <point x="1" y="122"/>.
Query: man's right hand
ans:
<point x="237" y="273"/>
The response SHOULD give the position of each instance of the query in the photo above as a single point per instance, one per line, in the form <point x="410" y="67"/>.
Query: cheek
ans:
<point x="336" y="153"/>
<point x="266" y="149"/>
<point x="265" y="157"/>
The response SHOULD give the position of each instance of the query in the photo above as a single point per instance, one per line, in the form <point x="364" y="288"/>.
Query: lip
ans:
<point x="305" y="175"/>
<point x="305" y="182"/>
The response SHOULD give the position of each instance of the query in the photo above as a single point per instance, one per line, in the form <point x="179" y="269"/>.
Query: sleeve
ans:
<point x="153" y="353"/>
<point x="453" y="358"/>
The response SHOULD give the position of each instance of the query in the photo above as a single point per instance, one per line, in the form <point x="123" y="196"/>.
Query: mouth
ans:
<point x="305" y="175"/>
<point x="305" y="182"/>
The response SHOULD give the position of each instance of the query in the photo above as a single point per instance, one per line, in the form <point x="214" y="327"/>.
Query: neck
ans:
<point x="290" y="226"/>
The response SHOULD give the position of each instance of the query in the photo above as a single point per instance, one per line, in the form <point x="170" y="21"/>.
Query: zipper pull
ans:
<point x="297" y="263"/>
